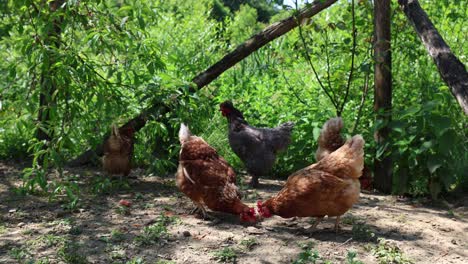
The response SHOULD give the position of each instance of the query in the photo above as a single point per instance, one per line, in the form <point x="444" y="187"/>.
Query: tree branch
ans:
<point x="201" y="80"/>
<point x="451" y="69"/>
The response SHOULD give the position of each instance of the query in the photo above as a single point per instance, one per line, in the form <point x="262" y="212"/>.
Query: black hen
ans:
<point x="256" y="147"/>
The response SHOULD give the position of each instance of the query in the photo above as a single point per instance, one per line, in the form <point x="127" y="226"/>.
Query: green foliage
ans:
<point x="226" y="255"/>
<point x="362" y="232"/>
<point x="249" y="243"/>
<point x="153" y="233"/>
<point x="387" y="252"/>
<point x="69" y="253"/>
<point x="111" y="60"/>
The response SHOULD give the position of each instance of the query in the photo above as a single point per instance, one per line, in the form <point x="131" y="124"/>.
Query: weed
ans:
<point x="350" y="258"/>
<point x="136" y="261"/>
<point x="139" y="196"/>
<point x="250" y="243"/>
<point x="75" y="230"/>
<point x="307" y="256"/>
<point x="362" y="232"/>
<point x="117" y="235"/>
<point x="154" y="232"/>
<point x="163" y="261"/>
<point x="50" y="240"/>
<point x="117" y="252"/>
<point x="3" y="228"/>
<point x="68" y="253"/>
<point x="226" y="255"/>
<point x="387" y="252"/>
<point x="122" y="210"/>
<point x="19" y="253"/>
<point x="105" y="185"/>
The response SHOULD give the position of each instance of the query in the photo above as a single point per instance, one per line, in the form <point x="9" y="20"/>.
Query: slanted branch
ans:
<point x="206" y="77"/>
<point x="451" y="69"/>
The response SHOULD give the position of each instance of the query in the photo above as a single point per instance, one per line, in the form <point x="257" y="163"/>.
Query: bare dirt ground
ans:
<point x="157" y="228"/>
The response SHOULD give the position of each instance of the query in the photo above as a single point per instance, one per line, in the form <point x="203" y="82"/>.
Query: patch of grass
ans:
<point x="69" y="253"/>
<point x="106" y="185"/>
<point x="362" y="232"/>
<point x="155" y="232"/>
<point x="249" y="243"/>
<point x="117" y="235"/>
<point x="19" y="253"/>
<point x="3" y="228"/>
<point x="117" y="252"/>
<point x="163" y="261"/>
<point x="387" y="252"/>
<point x="226" y="255"/>
<point x="51" y="240"/>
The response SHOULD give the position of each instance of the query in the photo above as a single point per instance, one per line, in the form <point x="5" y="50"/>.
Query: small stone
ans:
<point x="20" y="224"/>
<point x="11" y="211"/>
<point x="186" y="233"/>
<point x="454" y="241"/>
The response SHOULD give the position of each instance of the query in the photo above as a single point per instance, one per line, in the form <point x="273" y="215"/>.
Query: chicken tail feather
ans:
<point x="184" y="133"/>
<point x="330" y="138"/>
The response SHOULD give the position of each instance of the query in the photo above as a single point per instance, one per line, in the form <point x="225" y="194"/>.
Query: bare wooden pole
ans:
<point x="451" y="69"/>
<point x="206" y="77"/>
<point x="382" y="93"/>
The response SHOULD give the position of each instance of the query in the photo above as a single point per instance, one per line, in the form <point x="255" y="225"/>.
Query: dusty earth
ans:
<point x="157" y="228"/>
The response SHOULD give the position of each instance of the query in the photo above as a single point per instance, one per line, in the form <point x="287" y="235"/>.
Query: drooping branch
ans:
<point x="201" y="80"/>
<point x="451" y="69"/>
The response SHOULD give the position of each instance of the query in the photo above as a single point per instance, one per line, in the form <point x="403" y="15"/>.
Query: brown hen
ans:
<point x="207" y="179"/>
<point x="118" y="151"/>
<point x="327" y="188"/>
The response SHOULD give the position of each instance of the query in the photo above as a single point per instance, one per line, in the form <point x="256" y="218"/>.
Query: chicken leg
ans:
<point x="315" y="224"/>
<point x="337" y="224"/>
<point x="200" y="210"/>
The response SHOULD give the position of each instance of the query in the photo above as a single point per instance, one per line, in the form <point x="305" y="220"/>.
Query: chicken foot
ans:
<point x="314" y="225"/>
<point x="200" y="210"/>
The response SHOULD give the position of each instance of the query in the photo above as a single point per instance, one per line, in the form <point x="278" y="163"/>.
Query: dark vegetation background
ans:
<point x="112" y="59"/>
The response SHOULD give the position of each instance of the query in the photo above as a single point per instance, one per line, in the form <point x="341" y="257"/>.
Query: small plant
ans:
<point x="308" y="256"/>
<point x="350" y="258"/>
<point x="226" y="255"/>
<point x="154" y="232"/>
<point x="117" y="252"/>
<point x="117" y="235"/>
<point x="136" y="261"/>
<point x="387" y="252"/>
<point x="3" y="229"/>
<point x="250" y="243"/>
<point x="19" y="253"/>
<point x="362" y="232"/>
<point x="122" y="210"/>
<point x="163" y="261"/>
<point x="68" y="253"/>
<point x="51" y="240"/>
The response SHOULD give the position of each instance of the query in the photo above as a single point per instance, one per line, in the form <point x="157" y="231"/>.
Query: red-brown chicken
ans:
<point x="256" y="147"/>
<point x="330" y="140"/>
<point x="327" y="188"/>
<point x="118" y="151"/>
<point x="207" y="179"/>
